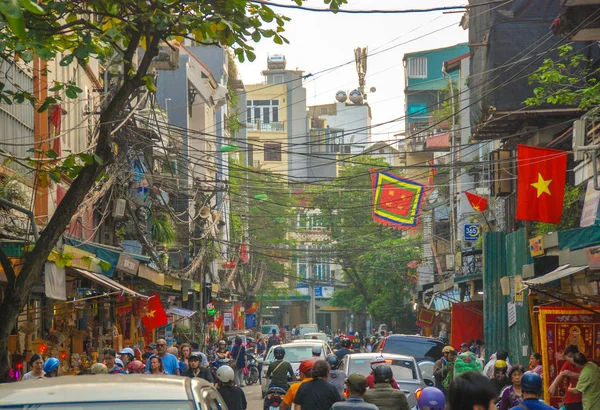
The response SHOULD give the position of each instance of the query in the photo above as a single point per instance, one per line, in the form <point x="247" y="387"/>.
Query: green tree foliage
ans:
<point x="263" y="224"/>
<point x="572" y="207"/>
<point x="373" y="258"/>
<point x="570" y="80"/>
<point x="113" y="32"/>
<point x="445" y="112"/>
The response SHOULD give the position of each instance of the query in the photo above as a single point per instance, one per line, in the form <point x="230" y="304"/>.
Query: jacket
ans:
<point x="385" y="397"/>
<point x="204" y="373"/>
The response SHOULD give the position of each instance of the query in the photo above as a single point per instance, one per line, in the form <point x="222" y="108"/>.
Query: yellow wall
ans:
<point x="258" y="138"/>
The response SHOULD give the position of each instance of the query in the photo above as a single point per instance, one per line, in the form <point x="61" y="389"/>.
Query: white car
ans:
<point x="295" y="353"/>
<point x="101" y="392"/>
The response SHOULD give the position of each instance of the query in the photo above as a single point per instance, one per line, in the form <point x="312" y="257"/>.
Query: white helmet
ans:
<point x="225" y="374"/>
<point x="377" y="361"/>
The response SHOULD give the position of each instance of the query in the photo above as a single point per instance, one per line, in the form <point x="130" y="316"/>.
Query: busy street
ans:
<point x="300" y="205"/>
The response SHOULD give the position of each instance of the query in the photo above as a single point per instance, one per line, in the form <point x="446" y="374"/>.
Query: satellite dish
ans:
<point x="341" y="96"/>
<point x="373" y="89"/>
<point x="433" y="197"/>
<point x="356" y="97"/>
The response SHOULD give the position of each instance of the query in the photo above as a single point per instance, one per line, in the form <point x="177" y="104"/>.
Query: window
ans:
<point x="417" y="67"/>
<point x="266" y="111"/>
<point x="273" y="152"/>
<point x="277" y="78"/>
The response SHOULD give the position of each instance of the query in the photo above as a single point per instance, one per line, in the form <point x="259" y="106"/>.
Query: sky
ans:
<point x="319" y="41"/>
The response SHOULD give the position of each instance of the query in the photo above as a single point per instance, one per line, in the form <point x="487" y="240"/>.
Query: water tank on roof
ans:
<point x="276" y="62"/>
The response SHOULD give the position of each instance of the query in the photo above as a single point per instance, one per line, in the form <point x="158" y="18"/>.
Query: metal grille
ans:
<point x="417" y="67"/>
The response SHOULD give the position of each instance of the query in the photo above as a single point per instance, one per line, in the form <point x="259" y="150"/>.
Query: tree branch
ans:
<point x="7" y="266"/>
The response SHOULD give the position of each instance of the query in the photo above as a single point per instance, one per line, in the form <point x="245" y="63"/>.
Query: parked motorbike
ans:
<point x="252" y="374"/>
<point x="273" y="398"/>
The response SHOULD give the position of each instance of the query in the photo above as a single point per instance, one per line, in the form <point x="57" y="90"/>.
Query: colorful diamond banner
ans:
<point x="396" y="201"/>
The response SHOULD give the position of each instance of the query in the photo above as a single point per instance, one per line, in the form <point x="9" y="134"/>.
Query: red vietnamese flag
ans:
<point x="478" y="203"/>
<point x="541" y="176"/>
<point x="155" y="316"/>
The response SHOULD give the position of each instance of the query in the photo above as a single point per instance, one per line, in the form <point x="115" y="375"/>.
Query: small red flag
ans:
<point x="155" y="315"/>
<point x="542" y="174"/>
<point x="478" y="203"/>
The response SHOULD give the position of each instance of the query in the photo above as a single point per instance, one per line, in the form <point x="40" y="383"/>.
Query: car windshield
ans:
<point x="304" y="330"/>
<point x="294" y="353"/>
<point x="402" y="369"/>
<point x="133" y="405"/>
<point x="419" y="349"/>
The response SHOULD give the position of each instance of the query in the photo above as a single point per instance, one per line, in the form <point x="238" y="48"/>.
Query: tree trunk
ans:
<point x="17" y="291"/>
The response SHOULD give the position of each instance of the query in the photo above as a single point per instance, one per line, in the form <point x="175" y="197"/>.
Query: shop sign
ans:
<point x="250" y="320"/>
<point x="512" y="314"/>
<point x="589" y="213"/>
<point x="536" y="246"/>
<point x="472" y="232"/>
<point x="128" y="264"/>
<point x="227" y="318"/>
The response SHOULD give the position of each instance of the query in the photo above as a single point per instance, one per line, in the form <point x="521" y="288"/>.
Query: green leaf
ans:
<point x="66" y="60"/>
<point x="277" y="39"/>
<point x="149" y="80"/>
<point x="27" y="56"/>
<point x="32" y="7"/>
<point x="71" y="93"/>
<point x="11" y="10"/>
<point x="87" y="159"/>
<point x="51" y="154"/>
<point x="98" y="159"/>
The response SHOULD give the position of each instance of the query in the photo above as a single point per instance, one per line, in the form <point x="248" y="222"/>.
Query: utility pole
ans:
<point x="312" y="316"/>
<point x="452" y="186"/>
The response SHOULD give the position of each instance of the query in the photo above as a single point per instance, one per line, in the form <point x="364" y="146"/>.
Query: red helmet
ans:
<point x="136" y="367"/>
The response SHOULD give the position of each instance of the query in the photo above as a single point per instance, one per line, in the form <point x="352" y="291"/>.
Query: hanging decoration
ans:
<point x="396" y="201"/>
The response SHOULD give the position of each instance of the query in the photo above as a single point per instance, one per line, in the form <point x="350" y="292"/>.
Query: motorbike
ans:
<point x="214" y="366"/>
<point x="274" y="398"/>
<point x="252" y="375"/>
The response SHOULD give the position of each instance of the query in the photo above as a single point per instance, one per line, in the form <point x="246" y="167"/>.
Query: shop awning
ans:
<point x="179" y="311"/>
<point x="557" y="274"/>
<point x="108" y="283"/>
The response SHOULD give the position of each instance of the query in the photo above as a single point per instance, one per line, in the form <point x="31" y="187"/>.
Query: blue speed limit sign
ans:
<point x="472" y="232"/>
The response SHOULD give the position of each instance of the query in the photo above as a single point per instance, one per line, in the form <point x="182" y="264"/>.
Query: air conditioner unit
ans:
<point x="119" y="208"/>
<point x="579" y="131"/>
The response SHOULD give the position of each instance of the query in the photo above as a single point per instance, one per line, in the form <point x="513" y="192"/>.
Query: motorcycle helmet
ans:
<point x="383" y="374"/>
<point x="136" y="367"/>
<point x="431" y="398"/>
<point x="448" y="349"/>
<point x="500" y="365"/>
<point x="195" y="355"/>
<point x="119" y="363"/>
<point x="100" y="368"/>
<point x="222" y="343"/>
<point x="346" y="343"/>
<point x="333" y="361"/>
<point x="531" y="383"/>
<point x="127" y="350"/>
<point x="279" y="352"/>
<point x="377" y="361"/>
<point x="51" y="365"/>
<point x="316" y="350"/>
<point x="225" y="374"/>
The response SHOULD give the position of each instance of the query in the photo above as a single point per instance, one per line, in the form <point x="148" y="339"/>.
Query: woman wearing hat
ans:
<point x="36" y="363"/>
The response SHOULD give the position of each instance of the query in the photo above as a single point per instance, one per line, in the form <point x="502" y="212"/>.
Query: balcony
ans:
<point x="258" y="125"/>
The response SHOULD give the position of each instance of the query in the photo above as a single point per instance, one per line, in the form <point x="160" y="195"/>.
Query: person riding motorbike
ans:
<point x="344" y="350"/>
<point x="222" y="352"/>
<point x="377" y="361"/>
<point x="232" y="395"/>
<point x="383" y="395"/>
<point x="51" y="367"/>
<point x="279" y="370"/>
<point x="305" y="376"/>
<point x="336" y="377"/>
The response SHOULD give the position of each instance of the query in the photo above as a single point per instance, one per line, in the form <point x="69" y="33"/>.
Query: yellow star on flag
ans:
<point x="542" y="185"/>
<point x="150" y="313"/>
<point x="477" y="208"/>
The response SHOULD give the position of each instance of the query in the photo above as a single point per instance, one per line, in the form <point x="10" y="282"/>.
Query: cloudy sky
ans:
<point x="319" y="41"/>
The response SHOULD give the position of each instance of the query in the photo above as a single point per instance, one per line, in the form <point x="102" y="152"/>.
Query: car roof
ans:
<point x="314" y="334"/>
<point x="415" y="337"/>
<point x="100" y="388"/>
<point x="385" y="356"/>
<point x="308" y="341"/>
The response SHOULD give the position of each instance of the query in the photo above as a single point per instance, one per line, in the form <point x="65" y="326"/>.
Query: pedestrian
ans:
<point x="127" y="355"/>
<point x="317" y="394"/>
<point x="500" y="379"/>
<point x="383" y="395"/>
<point x="184" y="358"/>
<point x="337" y="377"/>
<point x="356" y="342"/>
<point x="195" y="369"/>
<point x="512" y="395"/>
<point x="293" y="330"/>
<point x="305" y="369"/>
<point x="471" y="391"/>
<point x="572" y="399"/>
<point x="589" y="382"/>
<point x="152" y="348"/>
<point x="279" y="370"/>
<point x="156" y="366"/>
<point x="168" y="360"/>
<point x="488" y="370"/>
<point x="356" y="386"/>
<point x="274" y="340"/>
<point x="36" y="364"/>
<point x="261" y="346"/>
<point x="535" y="364"/>
<point x="369" y="347"/>
<point x="316" y="353"/>
<point x="222" y="352"/>
<point x="531" y="384"/>
<point x="146" y="356"/>
<point x="240" y="359"/>
<point x="109" y="361"/>
<point x="376" y="362"/>
<point x="443" y="369"/>
<point x="232" y="395"/>
<point x="464" y="347"/>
